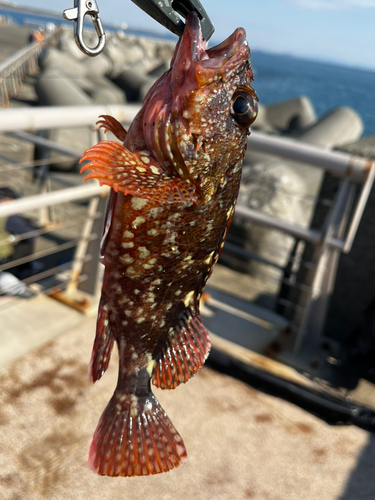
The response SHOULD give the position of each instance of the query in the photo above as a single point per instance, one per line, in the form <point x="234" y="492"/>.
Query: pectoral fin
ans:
<point x="136" y="173"/>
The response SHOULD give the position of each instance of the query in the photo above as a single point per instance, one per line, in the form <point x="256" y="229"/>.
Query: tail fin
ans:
<point x="135" y="437"/>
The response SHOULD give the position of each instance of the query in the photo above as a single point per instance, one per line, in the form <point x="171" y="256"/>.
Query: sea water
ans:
<point x="281" y="77"/>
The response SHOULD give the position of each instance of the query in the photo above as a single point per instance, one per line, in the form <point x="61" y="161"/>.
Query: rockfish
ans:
<point x="174" y="181"/>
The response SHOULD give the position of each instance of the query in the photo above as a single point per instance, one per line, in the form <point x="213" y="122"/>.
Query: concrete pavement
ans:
<point x="241" y="443"/>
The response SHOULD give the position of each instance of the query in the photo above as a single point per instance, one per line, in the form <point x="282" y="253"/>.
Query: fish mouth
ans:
<point x="192" y="62"/>
<point x="219" y="55"/>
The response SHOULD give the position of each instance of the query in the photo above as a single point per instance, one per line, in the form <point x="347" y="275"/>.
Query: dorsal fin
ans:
<point x="112" y="125"/>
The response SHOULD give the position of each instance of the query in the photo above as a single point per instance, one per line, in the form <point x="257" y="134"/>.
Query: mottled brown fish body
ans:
<point x="175" y="183"/>
<point x="158" y="259"/>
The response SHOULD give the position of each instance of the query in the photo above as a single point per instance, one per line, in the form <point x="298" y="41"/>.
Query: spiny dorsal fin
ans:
<point x="136" y="173"/>
<point x="112" y="125"/>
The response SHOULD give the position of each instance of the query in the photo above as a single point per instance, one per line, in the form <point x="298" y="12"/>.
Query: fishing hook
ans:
<point x="77" y="14"/>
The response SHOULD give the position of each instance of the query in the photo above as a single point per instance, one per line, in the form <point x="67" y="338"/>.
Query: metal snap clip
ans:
<point x="77" y="14"/>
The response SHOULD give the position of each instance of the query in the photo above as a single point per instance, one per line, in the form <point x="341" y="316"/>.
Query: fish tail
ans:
<point x="135" y="437"/>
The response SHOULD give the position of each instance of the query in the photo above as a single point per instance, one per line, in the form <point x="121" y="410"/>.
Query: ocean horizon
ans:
<point x="278" y="77"/>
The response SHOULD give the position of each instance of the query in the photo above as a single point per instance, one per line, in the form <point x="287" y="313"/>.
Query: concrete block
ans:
<point x="54" y="58"/>
<point x="122" y="55"/>
<point x="106" y="92"/>
<point x="159" y="70"/>
<point x="100" y="65"/>
<point x="339" y="126"/>
<point x="68" y="45"/>
<point x="261" y="123"/>
<point x="55" y="88"/>
<point x="292" y="114"/>
<point x="146" y="66"/>
<point x="131" y="82"/>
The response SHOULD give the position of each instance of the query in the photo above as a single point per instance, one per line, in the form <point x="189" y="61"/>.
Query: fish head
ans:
<point x="196" y="118"/>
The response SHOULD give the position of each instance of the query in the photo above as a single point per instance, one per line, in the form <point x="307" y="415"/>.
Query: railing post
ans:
<point x="90" y="265"/>
<point x="83" y="245"/>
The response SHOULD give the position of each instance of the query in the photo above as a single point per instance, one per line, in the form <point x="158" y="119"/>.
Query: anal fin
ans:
<point x="135" y="437"/>
<point x="186" y="350"/>
<point x="135" y="173"/>
<point x="103" y="344"/>
<point x="112" y="125"/>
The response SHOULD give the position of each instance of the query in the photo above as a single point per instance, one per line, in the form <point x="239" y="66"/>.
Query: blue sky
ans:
<point x="339" y="31"/>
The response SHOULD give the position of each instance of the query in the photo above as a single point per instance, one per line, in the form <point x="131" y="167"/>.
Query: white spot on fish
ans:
<point x="128" y="234"/>
<point x="123" y="300"/>
<point x="144" y="253"/>
<point x="138" y="221"/>
<point x="209" y="258"/>
<point x="128" y="244"/>
<point x="188" y="298"/>
<point x="126" y="259"/>
<point x="230" y="212"/>
<point x="138" y="203"/>
<point x="154" y="170"/>
<point x="177" y="215"/>
<point x="154" y="212"/>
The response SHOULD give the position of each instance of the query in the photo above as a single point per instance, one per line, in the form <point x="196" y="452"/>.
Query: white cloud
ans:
<point x="335" y="4"/>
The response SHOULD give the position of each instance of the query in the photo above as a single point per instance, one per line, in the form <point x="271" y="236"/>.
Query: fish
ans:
<point x="174" y="178"/>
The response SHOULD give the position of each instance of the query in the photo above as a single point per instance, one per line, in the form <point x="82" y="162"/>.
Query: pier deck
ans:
<point x="242" y="443"/>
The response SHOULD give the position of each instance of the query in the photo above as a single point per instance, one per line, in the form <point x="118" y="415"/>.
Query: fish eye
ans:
<point x="244" y="106"/>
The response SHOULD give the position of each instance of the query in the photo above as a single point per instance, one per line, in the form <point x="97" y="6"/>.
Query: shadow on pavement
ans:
<point x="361" y="482"/>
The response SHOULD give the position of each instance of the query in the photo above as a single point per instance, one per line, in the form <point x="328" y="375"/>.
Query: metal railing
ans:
<point x="14" y="70"/>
